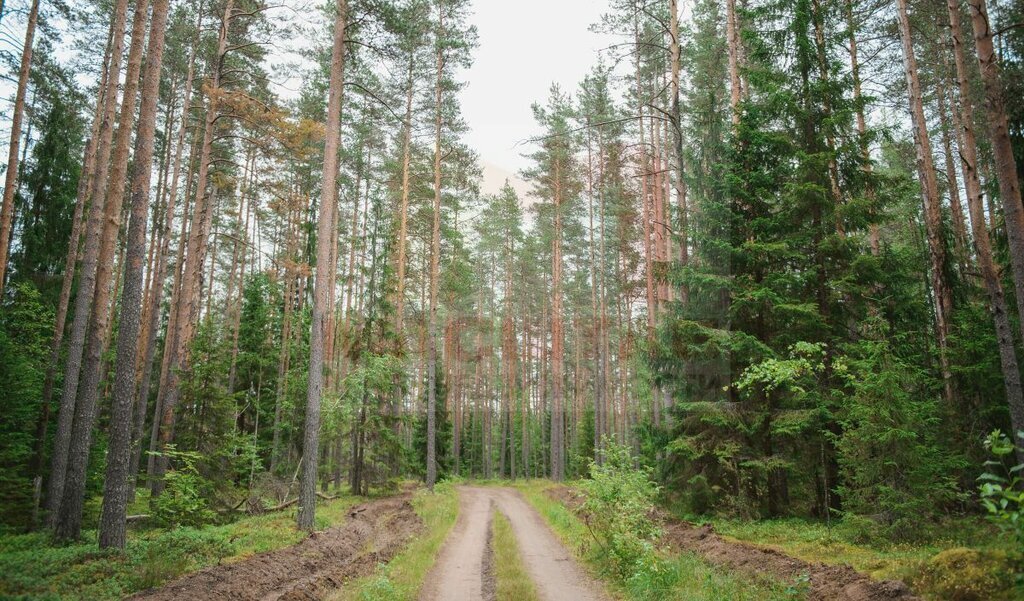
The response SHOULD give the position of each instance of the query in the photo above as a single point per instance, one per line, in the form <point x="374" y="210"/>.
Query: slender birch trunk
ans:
<point x="930" y="198"/>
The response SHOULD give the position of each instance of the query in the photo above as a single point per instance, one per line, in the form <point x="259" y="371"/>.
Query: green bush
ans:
<point x="620" y="499"/>
<point x="1002" y="488"/>
<point x="184" y="499"/>
<point x="894" y="468"/>
<point x="700" y="495"/>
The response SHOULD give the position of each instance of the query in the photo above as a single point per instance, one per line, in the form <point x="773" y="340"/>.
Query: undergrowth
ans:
<point x="654" y="574"/>
<point x="32" y="567"/>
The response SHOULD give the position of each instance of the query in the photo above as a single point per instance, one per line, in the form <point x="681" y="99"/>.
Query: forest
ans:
<point x="748" y="326"/>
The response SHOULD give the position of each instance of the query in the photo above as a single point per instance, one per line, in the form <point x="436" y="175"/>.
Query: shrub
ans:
<point x="184" y="500"/>
<point x="1002" y="488"/>
<point x="701" y="496"/>
<point x="620" y="499"/>
<point x="893" y="466"/>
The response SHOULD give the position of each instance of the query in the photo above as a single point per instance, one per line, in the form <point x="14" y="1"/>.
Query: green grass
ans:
<point x="512" y="582"/>
<point x="667" y="576"/>
<point x="31" y="567"/>
<point x="402" y="577"/>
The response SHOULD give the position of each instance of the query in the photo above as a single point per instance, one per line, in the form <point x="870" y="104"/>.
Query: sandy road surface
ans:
<point x="460" y="572"/>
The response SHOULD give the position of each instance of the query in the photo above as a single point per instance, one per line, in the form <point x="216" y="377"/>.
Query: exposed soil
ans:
<point x="374" y="532"/>
<point x="460" y="572"/>
<point x="827" y="582"/>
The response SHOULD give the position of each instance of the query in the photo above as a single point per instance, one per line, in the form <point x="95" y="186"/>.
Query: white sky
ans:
<point x="525" y="45"/>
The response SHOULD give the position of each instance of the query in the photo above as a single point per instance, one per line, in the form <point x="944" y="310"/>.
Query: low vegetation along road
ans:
<point x="462" y="569"/>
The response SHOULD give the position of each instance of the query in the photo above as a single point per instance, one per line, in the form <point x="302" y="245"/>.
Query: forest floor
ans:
<point x="459" y="542"/>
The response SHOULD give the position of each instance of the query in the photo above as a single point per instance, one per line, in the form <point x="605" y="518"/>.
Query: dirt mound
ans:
<point x="374" y="533"/>
<point x="826" y="582"/>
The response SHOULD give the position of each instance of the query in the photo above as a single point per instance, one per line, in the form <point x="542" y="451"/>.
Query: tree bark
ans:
<point x="118" y="479"/>
<point x="557" y="335"/>
<point x="955" y="206"/>
<point x="321" y="295"/>
<point x="11" y="177"/>
<point x="1006" y="167"/>
<point x="435" y="257"/>
<point x="930" y="198"/>
<point x="186" y="310"/>
<point x="70" y="262"/>
<point x="151" y="324"/>
<point x="70" y="520"/>
<point x="87" y="278"/>
<point x="1002" y="148"/>
<point x="403" y="213"/>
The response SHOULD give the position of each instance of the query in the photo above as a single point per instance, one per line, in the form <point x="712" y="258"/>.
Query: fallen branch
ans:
<point x="137" y="518"/>
<point x="284" y="505"/>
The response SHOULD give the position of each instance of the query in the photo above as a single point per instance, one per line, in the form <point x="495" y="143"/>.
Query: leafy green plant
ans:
<point x="1002" y="488"/>
<point x="620" y="499"/>
<point x="799" y="586"/>
<point x="184" y="499"/>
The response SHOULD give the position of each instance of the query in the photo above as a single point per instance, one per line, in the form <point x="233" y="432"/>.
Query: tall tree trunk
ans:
<point x="403" y="213"/>
<point x="172" y="317"/>
<point x="117" y="480"/>
<point x="71" y="260"/>
<point x="955" y="207"/>
<point x="595" y="321"/>
<point x="1002" y="148"/>
<point x="11" y="178"/>
<point x="557" y="336"/>
<point x="70" y="521"/>
<point x="1006" y="167"/>
<point x="87" y="279"/>
<point x="187" y="307"/>
<point x="321" y="296"/>
<point x="435" y="257"/>
<point x="680" y="162"/>
<point x="930" y="197"/>
<point x="147" y="340"/>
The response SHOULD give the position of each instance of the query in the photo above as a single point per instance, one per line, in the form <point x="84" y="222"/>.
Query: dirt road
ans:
<point x="461" y="571"/>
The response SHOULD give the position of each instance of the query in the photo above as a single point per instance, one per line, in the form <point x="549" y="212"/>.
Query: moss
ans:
<point x="962" y="574"/>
